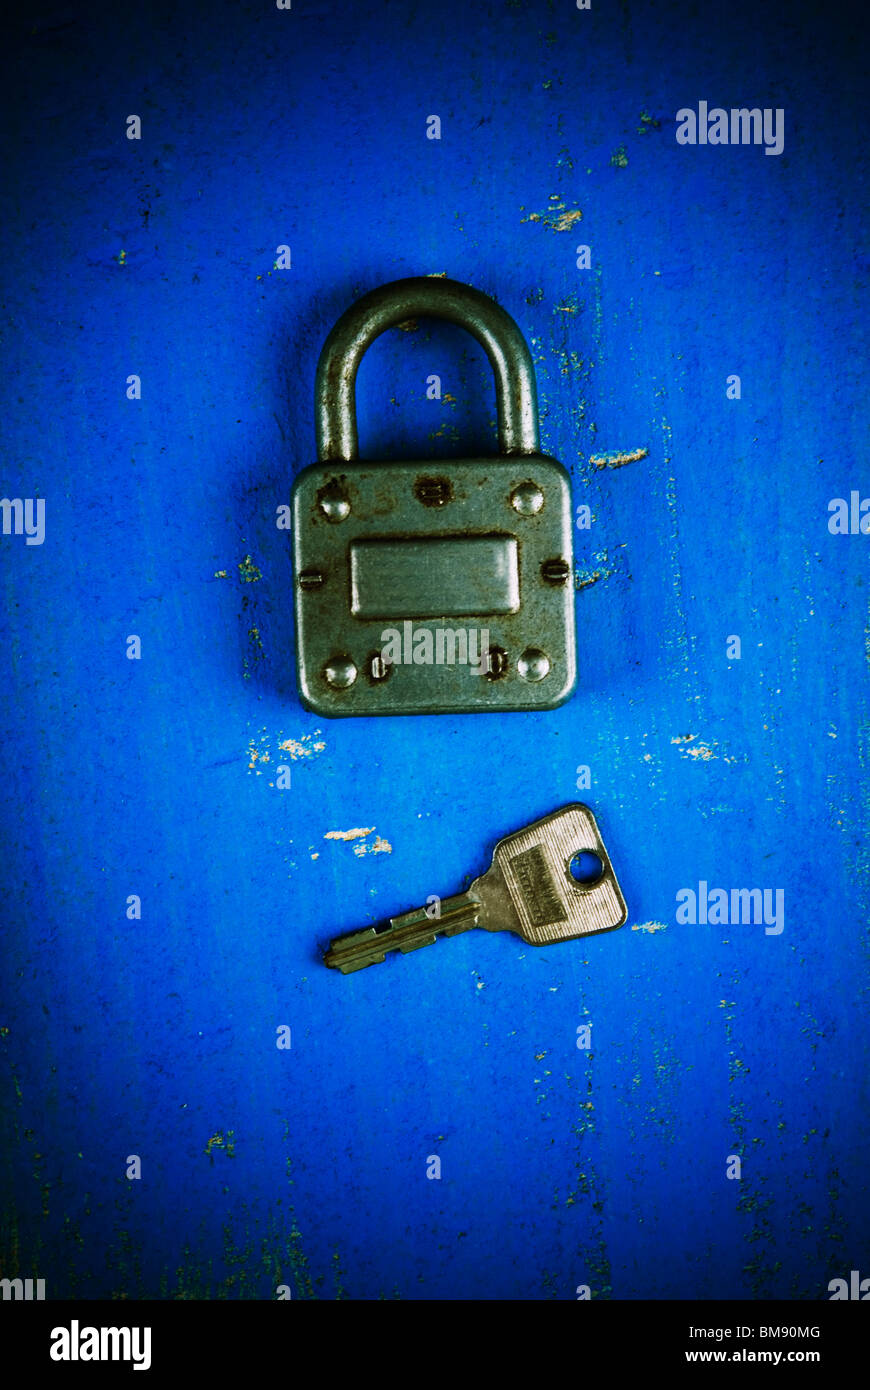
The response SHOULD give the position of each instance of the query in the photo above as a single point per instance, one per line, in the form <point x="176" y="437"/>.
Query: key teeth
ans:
<point x="371" y="945"/>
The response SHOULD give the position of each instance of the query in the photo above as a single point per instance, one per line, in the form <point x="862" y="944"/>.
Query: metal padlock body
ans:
<point x="436" y="585"/>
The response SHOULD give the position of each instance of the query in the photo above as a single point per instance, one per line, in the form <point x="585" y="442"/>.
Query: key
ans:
<point x="552" y="881"/>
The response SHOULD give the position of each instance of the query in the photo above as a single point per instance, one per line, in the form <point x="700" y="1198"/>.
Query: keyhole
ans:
<point x="586" y="868"/>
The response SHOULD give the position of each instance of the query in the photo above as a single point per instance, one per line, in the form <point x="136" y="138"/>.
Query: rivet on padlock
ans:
<point x="388" y="556"/>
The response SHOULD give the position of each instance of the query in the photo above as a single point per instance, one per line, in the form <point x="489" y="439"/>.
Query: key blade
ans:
<point x="407" y="932"/>
<point x="355" y="951"/>
<point x="548" y="903"/>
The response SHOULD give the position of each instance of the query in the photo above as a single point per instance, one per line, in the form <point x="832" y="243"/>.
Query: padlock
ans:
<point x="435" y="586"/>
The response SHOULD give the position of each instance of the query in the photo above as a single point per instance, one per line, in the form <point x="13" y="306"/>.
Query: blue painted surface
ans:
<point x="559" y="1167"/>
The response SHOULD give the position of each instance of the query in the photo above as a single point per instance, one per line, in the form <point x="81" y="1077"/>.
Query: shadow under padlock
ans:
<point x="437" y="585"/>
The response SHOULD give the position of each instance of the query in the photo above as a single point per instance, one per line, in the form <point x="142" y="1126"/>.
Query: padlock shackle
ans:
<point x="424" y="296"/>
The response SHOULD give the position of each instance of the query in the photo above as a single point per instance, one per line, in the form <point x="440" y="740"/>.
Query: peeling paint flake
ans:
<point x="617" y="458"/>
<point x="689" y="748"/>
<point x="304" y="749"/>
<point x="601" y="568"/>
<point x="584" y="578"/>
<point x="377" y="846"/>
<point x="249" y="573"/>
<point x="260" y="749"/>
<point x="558" y="218"/>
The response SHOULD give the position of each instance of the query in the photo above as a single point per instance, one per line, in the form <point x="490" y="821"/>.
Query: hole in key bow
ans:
<point x="586" y="868"/>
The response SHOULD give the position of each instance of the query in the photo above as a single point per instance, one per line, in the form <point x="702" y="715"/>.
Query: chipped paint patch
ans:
<point x="248" y="571"/>
<point x="583" y="579"/>
<point x="558" y="218"/>
<point x="222" y="1141"/>
<point x="377" y="846"/>
<point x="650" y="926"/>
<point x="257" y="755"/>
<point x="601" y="568"/>
<point x="261" y="752"/>
<point x="305" y="747"/>
<point x="617" y="458"/>
<point x="689" y="748"/>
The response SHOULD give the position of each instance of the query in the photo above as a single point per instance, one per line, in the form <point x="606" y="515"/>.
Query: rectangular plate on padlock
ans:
<point x="434" y="587"/>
